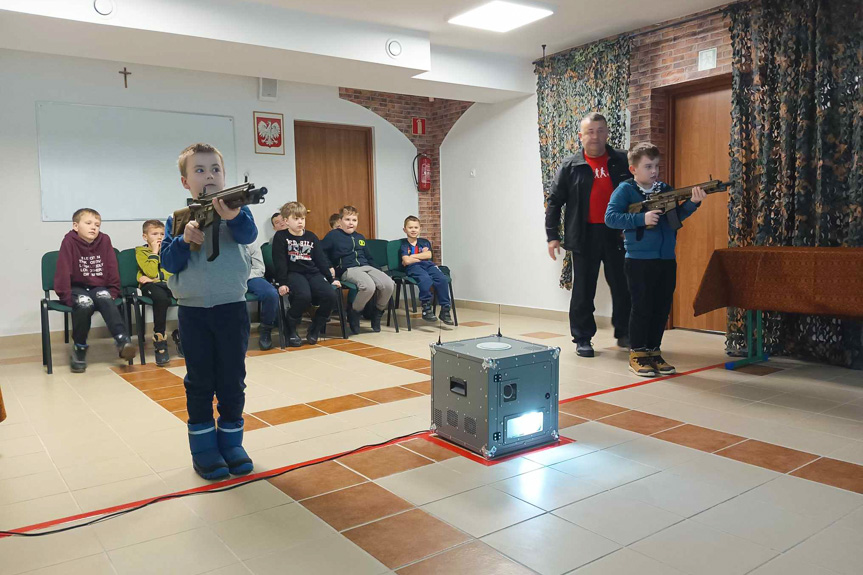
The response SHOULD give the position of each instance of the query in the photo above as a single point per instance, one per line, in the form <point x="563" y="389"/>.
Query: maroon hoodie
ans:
<point x="83" y="264"/>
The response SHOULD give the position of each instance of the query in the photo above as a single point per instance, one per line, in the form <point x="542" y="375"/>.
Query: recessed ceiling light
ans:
<point x="499" y="16"/>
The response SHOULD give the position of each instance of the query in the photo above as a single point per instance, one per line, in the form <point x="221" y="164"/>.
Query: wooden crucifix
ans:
<point x="125" y="77"/>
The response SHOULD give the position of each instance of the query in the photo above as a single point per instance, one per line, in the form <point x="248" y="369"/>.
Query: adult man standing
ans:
<point x="584" y="184"/>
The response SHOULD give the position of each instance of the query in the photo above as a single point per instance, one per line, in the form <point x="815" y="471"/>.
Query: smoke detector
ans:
<point x="394" y="48"/>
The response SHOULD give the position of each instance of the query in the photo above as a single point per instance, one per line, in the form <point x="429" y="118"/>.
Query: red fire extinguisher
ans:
<point x="422" y="164"/>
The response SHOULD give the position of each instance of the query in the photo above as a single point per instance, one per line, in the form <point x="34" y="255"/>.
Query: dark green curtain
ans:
<point x="593" y="78"/>
<point x="797" y="150"/>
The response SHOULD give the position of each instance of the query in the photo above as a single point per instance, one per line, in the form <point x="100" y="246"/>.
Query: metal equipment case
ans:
<point x="495" y="395"/>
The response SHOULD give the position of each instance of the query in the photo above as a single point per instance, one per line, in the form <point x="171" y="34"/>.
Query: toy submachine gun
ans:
<point x="667" y="202"/>
<point x="202" y="211"/>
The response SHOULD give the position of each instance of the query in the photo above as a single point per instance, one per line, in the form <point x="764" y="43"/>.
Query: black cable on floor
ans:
<point x="217" y="490"/>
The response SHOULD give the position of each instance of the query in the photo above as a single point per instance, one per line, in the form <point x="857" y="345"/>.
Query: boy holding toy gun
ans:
<point x="648" y="212"/>
<point x="210" y="291"/>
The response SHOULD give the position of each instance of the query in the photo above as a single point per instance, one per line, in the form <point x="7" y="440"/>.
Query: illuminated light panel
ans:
<point x="499" y="16"/>
<point x="524" y="425"/>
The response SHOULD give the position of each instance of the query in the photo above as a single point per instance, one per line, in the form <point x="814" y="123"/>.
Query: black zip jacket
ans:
<point x="571" y="187"/>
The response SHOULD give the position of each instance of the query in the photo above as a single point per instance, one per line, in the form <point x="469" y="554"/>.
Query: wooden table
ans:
<point x="810" y="281"/>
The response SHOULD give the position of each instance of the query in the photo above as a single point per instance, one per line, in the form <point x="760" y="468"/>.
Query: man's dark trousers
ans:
<point x="601" y="245"/>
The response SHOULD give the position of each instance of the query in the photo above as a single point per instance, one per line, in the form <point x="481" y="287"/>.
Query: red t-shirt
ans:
<point x="601" y="191"/>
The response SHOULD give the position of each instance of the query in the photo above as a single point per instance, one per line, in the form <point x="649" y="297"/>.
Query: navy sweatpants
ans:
<point x="215" y="340"/>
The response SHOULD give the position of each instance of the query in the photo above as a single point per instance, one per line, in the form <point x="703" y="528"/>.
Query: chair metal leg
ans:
<point x="48" y="342"/>
<point x="140" y="322"/>
<point x="452" y="304"/>
<point x="42" y="323"/>
<point x="127" y="313"/>
<point x="395" y="316"/>
<point x="282" y="337"/>
<point x="413" y="298"/>
<point x="407" y="311"/>
<point x="396" y="293"/>
<point x="65" y="327"/>
<point x="340" y="308"/>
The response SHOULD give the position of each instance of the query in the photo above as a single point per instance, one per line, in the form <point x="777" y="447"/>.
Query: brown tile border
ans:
<point x="700" y="438"/>
<point x="429" y="449"/>
<point x="841" y="474"/>
<point x="423" y="387"/>
<point x="543" y="335"/>
<point x="406" y="538"/>
<point x="474" y="324"/>
<point x="317" y="480"/>
<point x="590" y="408"/>
<point x="341" y="403"/>
<point x="476" y="558"/>
<point x="288" y="414"/>
<point x="412" y="364"/>
<point x="767" y="455"/>
<point x="640" y="422"/>
<point x="355" y="506"/>
<point x="377" y="463"/>
<point x="567" y="420"/>
<point x="390" y="394"/>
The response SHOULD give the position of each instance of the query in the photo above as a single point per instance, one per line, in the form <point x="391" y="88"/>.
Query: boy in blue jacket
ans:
<point x="214" y="321"/>
<point x="346" y="249"/>
<point x="651" y="268"/>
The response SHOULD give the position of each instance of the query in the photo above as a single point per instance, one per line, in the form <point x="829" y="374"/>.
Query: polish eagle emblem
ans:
<point x="269" y="133"/>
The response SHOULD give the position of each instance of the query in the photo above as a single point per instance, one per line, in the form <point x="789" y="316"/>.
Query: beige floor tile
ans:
<point x="547" y="488"/>
<point x="548" y="544"/>
<point x="270" y="530"/>
<point x="29" y="487"/>
<point x="215" y="508"/>
<point x="333" y="555"/>
<point x="107" y="471"/>
<point x="36" y="511"/>
<point x="190" y="552"/>
<point x="93" y="565"/>
<point x="119" y="492"/>
<point x="152" y="522"/>
<point x="605" y="469"/>
<point x="482" y="511"/>
<point x="20" y="554"/>
<point x="21" y="465"/>
<point x="626" y="562"/>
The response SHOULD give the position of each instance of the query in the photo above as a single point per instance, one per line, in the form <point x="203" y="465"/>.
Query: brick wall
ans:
<point x="441" y="115"/>
<point x="666" y="58"/>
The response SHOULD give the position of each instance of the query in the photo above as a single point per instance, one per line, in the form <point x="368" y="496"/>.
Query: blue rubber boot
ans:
<point x="206" y="459"/>
<point x="231" y="447"/>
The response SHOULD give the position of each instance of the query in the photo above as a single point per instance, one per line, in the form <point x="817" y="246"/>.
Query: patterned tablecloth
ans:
<point x="812" y="281"/>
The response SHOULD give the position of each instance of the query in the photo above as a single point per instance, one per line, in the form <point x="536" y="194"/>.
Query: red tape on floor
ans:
<point x="427" y="435"/>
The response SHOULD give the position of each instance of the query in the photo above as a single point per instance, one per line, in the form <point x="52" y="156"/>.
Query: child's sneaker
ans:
<point x="125" y="348"/>
<point x="79" y="358"/>
<point x="662" y="366"/>
<point x="640" y="364"/>
<point x="175" y="335"/>
<point x="354" y="321"/>
<point x="428" y="314"/>
<point x="445" y="316"/>
<point x="377" y="314"/>
<point x="160" y="345"/>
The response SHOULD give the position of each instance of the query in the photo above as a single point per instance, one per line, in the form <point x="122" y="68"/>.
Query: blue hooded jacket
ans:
<point x="657" y="243"/>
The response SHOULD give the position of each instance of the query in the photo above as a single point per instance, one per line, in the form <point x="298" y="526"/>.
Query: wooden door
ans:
<point x="334" y="168"/>
<point x="700" y="122"/>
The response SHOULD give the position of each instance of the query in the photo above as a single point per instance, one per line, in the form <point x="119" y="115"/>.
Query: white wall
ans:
<point x="493" y="225"/>
<point x="26" y="78"/>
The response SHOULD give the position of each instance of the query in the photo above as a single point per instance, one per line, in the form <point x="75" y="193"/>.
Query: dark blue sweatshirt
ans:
<point x="657" y="243"/>
<point x="346" y="251"/>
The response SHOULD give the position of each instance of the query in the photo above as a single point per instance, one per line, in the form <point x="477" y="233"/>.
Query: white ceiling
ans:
<point x="573" y="23"/>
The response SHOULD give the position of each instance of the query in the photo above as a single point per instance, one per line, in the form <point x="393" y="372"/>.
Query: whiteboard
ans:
<point x="122" y="162"/>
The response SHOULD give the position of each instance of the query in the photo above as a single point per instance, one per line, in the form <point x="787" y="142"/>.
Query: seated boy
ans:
<point x="346" y="249"/>
<point x="651" y="269"/>
<point x="213" y="318"/>
<point x="267" y="294"/>
<point x="277" y="223"/>
<point x="334" y="221"/>
<point x="415" y="254"/>
<point x="153" y="281"/>
<point x="303" y="271"/>
<point x="88" y="279"/>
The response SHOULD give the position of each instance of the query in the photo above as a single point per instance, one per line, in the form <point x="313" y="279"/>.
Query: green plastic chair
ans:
<point x="46" y="304"/>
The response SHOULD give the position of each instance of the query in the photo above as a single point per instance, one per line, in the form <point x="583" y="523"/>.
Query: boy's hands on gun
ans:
<point x="224" y="211"/>
<point x="698" y="194"/>
<point x="651" y="218"/>
<point x="192" y="234"/>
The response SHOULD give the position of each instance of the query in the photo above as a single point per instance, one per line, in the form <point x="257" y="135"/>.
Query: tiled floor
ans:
<point x="755" y="471"/>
